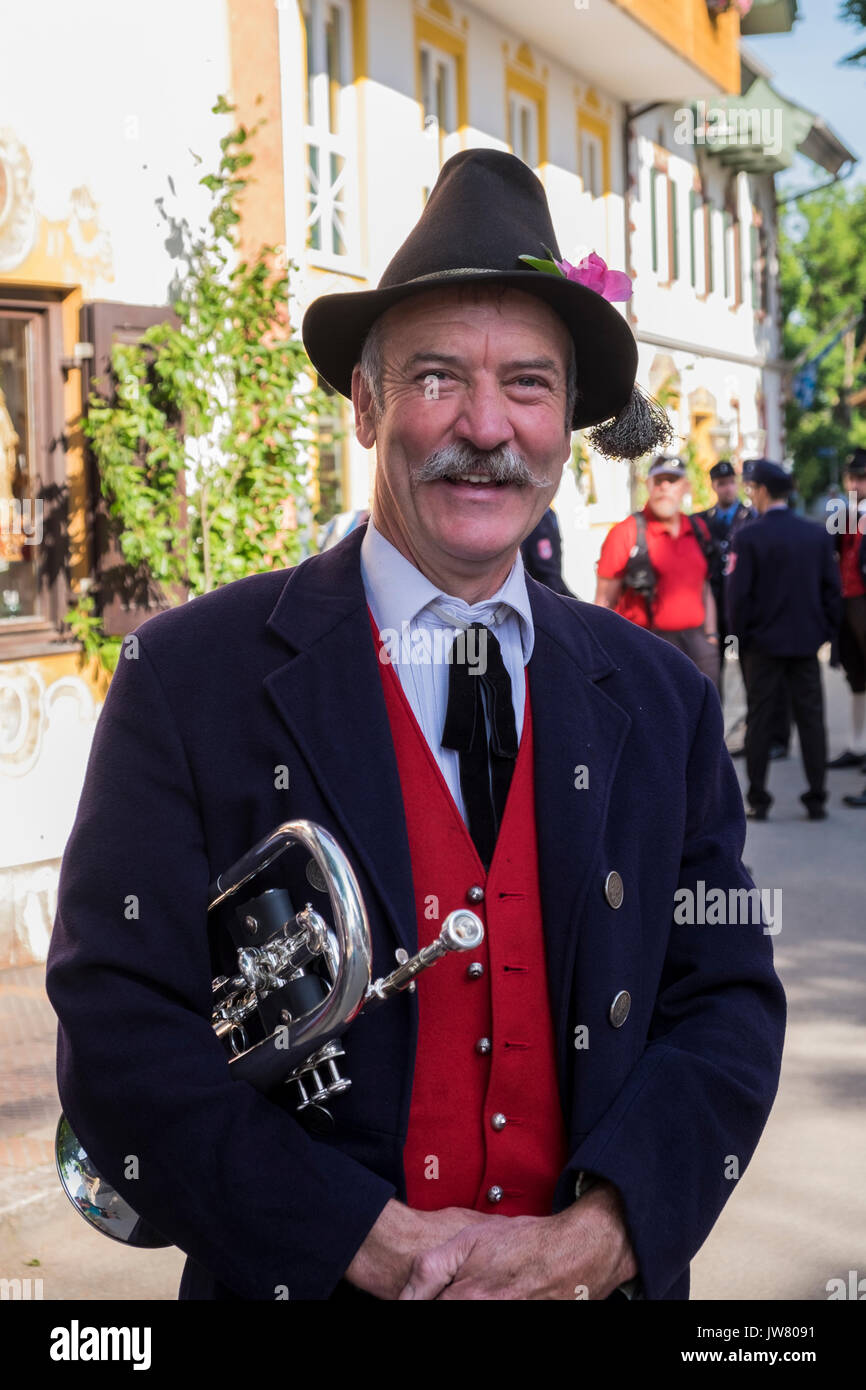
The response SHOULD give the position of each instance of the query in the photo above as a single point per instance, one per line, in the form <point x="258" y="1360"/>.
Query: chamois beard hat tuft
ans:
<point x="487" y="210"/>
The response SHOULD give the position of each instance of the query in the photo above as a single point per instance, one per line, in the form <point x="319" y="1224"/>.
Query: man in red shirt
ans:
<point x="682" y="608"/>
<point x="851" y="546"/>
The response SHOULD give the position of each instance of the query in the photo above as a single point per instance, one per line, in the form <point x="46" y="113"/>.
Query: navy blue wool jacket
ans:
<point x="280" y="670"/>
<point x="783" y="590"/>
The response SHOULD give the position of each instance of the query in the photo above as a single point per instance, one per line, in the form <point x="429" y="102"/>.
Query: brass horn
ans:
<point x="300" y="984"/>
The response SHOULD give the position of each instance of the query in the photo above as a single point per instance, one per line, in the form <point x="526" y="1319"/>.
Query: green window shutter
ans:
<point x="755" y="252"/>
<point x="693" y="203"/>
<point x="727" y="243"/>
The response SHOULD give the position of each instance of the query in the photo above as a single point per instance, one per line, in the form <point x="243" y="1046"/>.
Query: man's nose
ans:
<point x="484" y="420"/>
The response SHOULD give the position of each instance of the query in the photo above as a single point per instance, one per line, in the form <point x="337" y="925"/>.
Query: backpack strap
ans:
<point x="701" y="533"/>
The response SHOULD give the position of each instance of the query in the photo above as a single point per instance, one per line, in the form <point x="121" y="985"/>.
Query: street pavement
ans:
<point x="795" y="1219"/>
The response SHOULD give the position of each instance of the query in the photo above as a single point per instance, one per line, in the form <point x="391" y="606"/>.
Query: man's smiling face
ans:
<point x="473" y="386"/>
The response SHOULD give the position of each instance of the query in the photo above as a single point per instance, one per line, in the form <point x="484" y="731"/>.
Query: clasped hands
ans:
<point x="457" y="1253"/>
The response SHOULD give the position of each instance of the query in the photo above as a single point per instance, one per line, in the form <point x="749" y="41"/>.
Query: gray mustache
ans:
<point x="504" y="465"/>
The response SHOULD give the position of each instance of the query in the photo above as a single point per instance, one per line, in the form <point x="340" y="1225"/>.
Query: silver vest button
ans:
<point x="476" y="894"/>
<point x="619" y="1008"/>
<point x="495" y="1194"/>
<point x="613" y="889"/>
<point x="483" y="1046"/>
<point x="475" y="970"/>
<point x="498" y="1120"/>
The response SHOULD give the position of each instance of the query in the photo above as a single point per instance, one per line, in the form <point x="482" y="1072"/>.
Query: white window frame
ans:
<point x="697" y="231"/>
<point x="732" y="234"/>
<point x="519" y="106"/>
<point x="660" y="190"/>
<point x="444" y="141"/>
<point x="591" y="158"/>
<point x="342" y="195"/>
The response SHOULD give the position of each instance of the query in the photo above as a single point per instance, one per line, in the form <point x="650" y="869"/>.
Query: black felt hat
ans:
<point x="487" y="210"/>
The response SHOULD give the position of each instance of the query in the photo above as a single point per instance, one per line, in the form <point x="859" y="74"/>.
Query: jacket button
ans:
<point x="475" y="970"/>
<point x="476" y="894"/>
<point x="498" y="1120"/>
<point x="613" y="889"/>
<point x="619" y="1008"/>
<point x="495" y="1193"/>
<point x="483" y="1046"/>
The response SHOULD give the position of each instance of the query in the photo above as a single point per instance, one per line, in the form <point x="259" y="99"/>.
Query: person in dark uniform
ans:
<point x="784" y="602"/>
<point x="851" y="549"/>
<point x="723" y="521"/>
<point x="542" y="554"/>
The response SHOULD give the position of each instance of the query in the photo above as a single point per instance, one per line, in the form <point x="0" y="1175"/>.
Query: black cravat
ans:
<point x="483" y="768"/>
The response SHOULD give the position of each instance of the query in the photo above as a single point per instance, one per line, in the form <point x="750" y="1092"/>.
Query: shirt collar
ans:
<point x="398" y="592"/>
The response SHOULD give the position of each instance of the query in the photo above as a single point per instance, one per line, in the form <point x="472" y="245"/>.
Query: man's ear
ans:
<point x="364" y="407"/>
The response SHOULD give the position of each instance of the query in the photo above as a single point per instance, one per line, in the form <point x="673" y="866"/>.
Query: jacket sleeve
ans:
<point x="685" y="1123"/>
<point x="738" y="585"/>
<point x="223" y="1173"/>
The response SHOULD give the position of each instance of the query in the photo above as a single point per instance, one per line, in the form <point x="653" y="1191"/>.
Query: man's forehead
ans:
<point x="497" y="311"/>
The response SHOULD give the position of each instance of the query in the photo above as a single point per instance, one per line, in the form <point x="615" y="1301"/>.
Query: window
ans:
<point x="700" y="244"/>
<point x="709" y="254"/>
<point x="592" y="163"/>
<point x="330" y="128"/>
<point x="330" y="448"/>
<point x="732" y="260"/>
<point x="658" y="223"/>
<point x="19" y="505"/>
<point x="593" y="144"/>
<point x="523" y="128"/>
<point x="438" y="99"/>
<point x="758" y="248"/>
<point x="664" y="226"/>
<point x="33" y="492"/>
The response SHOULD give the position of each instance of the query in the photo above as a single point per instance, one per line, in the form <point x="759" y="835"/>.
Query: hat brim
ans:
<point x="335" y="326"/>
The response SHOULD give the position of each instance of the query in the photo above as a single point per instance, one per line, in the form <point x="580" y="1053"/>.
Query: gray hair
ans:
<point x="372" y="365"/>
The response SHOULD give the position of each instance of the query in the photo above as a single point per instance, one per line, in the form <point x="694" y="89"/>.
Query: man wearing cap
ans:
<point x="554" y="1119"/>
<point x="850" y="542"/>
<point x="681" y="608"/>
<point x="784" y="602"/>
<point x="723" y="521"/>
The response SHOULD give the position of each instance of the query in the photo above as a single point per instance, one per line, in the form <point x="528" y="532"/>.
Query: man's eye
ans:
<point x="530" y="381"/>
<point x="435" y="372"/>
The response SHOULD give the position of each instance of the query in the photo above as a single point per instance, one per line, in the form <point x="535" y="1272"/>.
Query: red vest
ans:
<point x="485" y="1042"/>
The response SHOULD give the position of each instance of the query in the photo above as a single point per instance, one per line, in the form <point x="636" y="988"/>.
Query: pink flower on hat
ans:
<point x="592" y="272"/>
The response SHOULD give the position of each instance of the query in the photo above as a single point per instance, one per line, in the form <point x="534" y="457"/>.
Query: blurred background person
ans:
<point x="542" y="554"/>
<point x="851" y="549"/>
<point x="784" y="602"/>
<point x="723" y="521"/>
<point x="654" y="569"/>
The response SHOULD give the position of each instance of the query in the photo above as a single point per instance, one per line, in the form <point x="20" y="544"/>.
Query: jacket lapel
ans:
<point x="329" y="695"/>
<point x="579" y="733"/>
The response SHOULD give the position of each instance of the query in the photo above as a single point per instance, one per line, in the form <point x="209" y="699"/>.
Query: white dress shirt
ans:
<point x="417" y="623"/>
